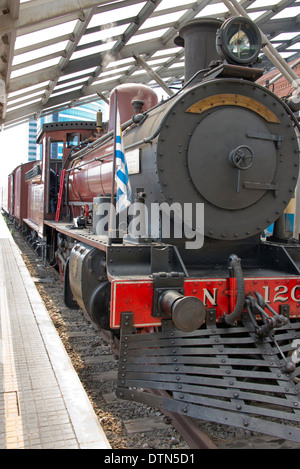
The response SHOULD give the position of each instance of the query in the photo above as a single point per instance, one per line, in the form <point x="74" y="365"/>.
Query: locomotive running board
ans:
<point x="219" y="374"/>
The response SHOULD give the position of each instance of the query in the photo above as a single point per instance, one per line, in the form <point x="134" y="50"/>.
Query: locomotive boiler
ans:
<point x="223" y="143"/>
<point x="206" y="309"/>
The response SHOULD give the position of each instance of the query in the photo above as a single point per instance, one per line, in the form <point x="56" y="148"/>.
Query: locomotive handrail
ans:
<point x="108" y="136"/>
<point x="129" y="147"/>
<point x="105" y="138"/>
<point x="149" y="139"/>
<point x="100" y="141"/>
<point x="235" y="265"/>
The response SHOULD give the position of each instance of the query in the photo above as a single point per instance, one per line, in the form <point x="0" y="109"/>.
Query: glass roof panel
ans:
<point x="294" y="46"/>
<point x="288" y="13"/>
<point x="105" y="18"/>
<point x="73" y="45"/>
<point x="92" y="50"/>
<point x="263" y="3"/>
<point x="113" y="71"/>
<point x="43" y="52"/>
<point x="139" y="72"/>
<point x="34" y="68"/>
<point x="287" y="54"/>
<point x="147" y="36"/>
<point x="173" y="50"/>
<point x="103" y="34"/>
<point x="28" y="89"/>
<point x="76" y="74"/>
<point x="156" y="61"/>
<point x="214" y="9"/>
<point x="44" y="34"/>
<point x="19" y="105"/>
<point x="164" y="4"/>
<point x="64" y="91"/>
<point x="25" y="98"/>
<point x="118" y="63"/>
<point x="253" y="16"/>
<point x="177" y="64"/>
<point x="69" y="84"/>
<point x="163" y="19"/>
<point x="284" y="36"/>
<point x="106" y="80"/>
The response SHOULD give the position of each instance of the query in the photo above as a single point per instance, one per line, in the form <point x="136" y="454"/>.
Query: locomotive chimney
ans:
<point x="198" y="37"/>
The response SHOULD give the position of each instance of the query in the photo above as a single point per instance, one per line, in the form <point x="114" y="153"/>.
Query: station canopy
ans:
<point x="58" y="54"/>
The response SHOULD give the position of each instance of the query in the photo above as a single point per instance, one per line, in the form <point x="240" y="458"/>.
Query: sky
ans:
<point x="13" y="148"/>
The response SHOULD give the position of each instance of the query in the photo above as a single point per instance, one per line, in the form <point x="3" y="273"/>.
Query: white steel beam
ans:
<point x="41" y="11"/>
<point x="8" y="44"/>
<point x="40" y="45"/>
<point x="14" y="8"/>
<point x="38" y="60"/>
<point x="189" y="15"/>
<point x="139" y="20"/>
<point x="64" y="101"/>
<point x="78" y="32"/>
<point x="153" y="74"/>
<point x="78" y="14"/>
<point x="34" y="78"/>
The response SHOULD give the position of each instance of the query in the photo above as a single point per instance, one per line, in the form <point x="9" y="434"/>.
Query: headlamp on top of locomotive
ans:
<point x="239" y="41"/>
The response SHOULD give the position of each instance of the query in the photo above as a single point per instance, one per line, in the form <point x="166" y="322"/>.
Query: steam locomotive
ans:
<point x="205" y="307"/>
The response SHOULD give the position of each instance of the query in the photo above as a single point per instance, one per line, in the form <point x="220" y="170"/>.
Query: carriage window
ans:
<point x="73" y="139"/>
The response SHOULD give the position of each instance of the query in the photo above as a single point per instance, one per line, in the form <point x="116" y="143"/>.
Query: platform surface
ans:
<point x="42" y="402"/>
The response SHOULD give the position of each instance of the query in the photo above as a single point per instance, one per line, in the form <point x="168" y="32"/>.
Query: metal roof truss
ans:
<point x="56" y="54"/>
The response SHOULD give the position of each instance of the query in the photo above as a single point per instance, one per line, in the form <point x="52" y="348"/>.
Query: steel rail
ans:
<point x="188" y="429"/>
<point x="186" y="426"/>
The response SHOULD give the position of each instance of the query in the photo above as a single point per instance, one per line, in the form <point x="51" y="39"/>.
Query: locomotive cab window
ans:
<point x="73" y="139"/>
<point x="56" y="150"/>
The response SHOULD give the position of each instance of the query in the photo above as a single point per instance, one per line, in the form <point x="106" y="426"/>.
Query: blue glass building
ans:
<point x="32" y="146"/>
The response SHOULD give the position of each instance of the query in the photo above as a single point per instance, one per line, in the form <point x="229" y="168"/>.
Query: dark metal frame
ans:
<point x="220" y="374"/>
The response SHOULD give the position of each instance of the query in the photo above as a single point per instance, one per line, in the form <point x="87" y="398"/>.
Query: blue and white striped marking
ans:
<point x="121" y="177"/>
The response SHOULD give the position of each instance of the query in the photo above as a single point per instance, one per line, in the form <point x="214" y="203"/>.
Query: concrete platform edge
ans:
<point x="88" y="430"/>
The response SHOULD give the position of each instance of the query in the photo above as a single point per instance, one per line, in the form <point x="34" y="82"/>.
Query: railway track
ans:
<point x="127" y="425"/>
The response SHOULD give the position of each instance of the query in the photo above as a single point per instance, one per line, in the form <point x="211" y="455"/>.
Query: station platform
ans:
<point x="42" y="402"/>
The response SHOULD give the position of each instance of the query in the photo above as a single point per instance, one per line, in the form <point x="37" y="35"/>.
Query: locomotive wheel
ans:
<point x="68" y="296"/>
<point x="99" y="305"/>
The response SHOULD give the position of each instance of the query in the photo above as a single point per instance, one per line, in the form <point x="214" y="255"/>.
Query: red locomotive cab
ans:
<point x="57" y="139"/>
